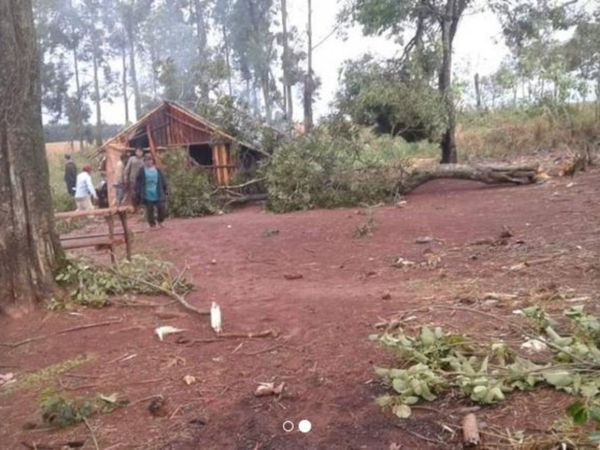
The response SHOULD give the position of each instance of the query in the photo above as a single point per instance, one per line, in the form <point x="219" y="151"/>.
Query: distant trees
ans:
<point x="540" y="68"/>
<point x="190" y="51"/>
<point x="138" y="52"/>
<point x="435" y="22"/>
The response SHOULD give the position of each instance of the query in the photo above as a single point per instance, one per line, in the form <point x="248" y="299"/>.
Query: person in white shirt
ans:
<point x="84" y="190"/>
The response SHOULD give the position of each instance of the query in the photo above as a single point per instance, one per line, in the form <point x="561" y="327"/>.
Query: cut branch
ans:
<point x="67" y="330"/>
<point x="470" y="431"/>
<point x="174" y="295"/>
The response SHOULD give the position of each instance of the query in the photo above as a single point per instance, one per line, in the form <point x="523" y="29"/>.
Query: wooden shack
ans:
<point x="171" y="126"/>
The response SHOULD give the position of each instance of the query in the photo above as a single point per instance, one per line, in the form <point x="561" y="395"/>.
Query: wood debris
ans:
<point x="266" y="389"/>
<point x="470" y="431"/>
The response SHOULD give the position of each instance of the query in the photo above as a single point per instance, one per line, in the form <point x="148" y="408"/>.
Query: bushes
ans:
<point x="189" y="190"/>
<point x="324" y="171"/>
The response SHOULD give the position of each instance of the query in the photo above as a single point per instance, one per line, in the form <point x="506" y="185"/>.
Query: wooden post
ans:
<point x="226" y="162"/>
<point x="153" y="151"/>
<point x="111" y="237"/>
<point x="123" y="218"/>
<point x="113" y="154"/>
<point x="216" y="163"/>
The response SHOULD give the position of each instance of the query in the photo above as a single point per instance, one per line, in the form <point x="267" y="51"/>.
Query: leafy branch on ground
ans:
<point x="61" y="411"/>
<point x="89" y="284"/>
<point x="326" y="170"/>
<point x="433" y="362"/>
<point x="190" y="191"/>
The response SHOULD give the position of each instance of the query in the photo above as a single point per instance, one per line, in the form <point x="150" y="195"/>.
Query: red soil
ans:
<point x="323" y="319"/>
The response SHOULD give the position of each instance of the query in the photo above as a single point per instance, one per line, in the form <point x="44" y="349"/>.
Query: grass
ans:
<point x="61" y="199"/>
<point x="514" y="132"/>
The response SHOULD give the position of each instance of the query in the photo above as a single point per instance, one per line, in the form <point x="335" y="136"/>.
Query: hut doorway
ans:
<point x="202" y="154"/>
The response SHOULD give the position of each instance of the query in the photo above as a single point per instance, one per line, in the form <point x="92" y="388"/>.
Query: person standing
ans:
<point x="70" y="175"/>
<point x="84" y="189"/>
<point x="132" y="169"/>
<point x="151" y="191"/>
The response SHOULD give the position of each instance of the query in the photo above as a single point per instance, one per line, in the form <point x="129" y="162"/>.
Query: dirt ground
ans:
<point x="305" y="276"/>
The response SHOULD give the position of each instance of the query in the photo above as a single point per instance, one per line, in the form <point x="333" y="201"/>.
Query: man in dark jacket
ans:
<point x="151" y="191"/>
<point x="70" y="175"/>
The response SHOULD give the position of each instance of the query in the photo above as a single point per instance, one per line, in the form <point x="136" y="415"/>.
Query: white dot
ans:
<point x="305" y="426"/>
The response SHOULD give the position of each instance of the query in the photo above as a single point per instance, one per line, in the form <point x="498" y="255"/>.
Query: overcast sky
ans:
<point x="478" y="48"/>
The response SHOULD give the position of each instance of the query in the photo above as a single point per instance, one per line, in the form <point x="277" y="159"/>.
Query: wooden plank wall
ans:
<point x="222" y="163"/>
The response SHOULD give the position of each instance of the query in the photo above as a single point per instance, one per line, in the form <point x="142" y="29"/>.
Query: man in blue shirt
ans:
<point x="151" y="191"/>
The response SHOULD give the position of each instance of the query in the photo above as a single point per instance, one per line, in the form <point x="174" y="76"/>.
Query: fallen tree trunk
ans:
<point x="246" y="199"/>
<point x="489" y="174"/>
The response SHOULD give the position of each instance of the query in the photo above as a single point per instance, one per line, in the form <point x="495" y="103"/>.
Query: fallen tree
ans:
<point x="489" y="174"/>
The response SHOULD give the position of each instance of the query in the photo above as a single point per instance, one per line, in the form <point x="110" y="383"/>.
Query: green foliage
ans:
<point x="582" y="413"/>
<point x="62" y="411"/>
<point x="433" y="362"/>
<point x="380" y="95"/>
<point x="91" y="285"/>
<point x="190" y="192"/>
<point x="325" y="170"/>
<point x="234" y="117"/>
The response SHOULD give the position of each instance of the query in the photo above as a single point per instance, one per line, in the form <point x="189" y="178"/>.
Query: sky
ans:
<point x="478" y="48"/>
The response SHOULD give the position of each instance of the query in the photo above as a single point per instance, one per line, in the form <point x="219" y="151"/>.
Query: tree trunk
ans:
<point x="124" y="80"/>
<point x="287" y="86"/>
<point x="153" y="62"/>
<point x="202" y="41"/>
<point x="448" y="144"/>
<point x="264" y="83"/>
<point x="133" y="72"/>
<point x="29" y="248"/>
<point x="227" y="61"/>
<point x="79" y="124"/>
<point x="200" y="29"/>
<point x="308" y="80"/>
<point x="597" y="89"/>
<point x="477" y="92"/>
<point x="98" y="132"/>
<point x="489" y="174"/>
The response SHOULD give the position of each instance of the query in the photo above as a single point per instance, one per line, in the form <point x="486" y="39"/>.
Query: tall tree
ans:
<point x="60" y="36"/>
<point x="174" y="63"/>
<point x="253" y="47"/>
<point x="309" y="82"/>
<point x="288" y="100"/>
<point x="583" y="52"/>
<point x="131" y="15"/>
<point x="92" y="13"/>
<point x="29" y="248"/>
<point x="221" y="17"/>
<point x="382" y="16"/>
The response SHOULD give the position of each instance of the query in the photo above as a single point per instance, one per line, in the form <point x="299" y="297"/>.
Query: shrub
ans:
<point x="189" y="189"/>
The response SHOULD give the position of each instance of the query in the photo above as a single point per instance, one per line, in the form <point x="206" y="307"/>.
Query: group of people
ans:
<point x="137" y="182"/>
